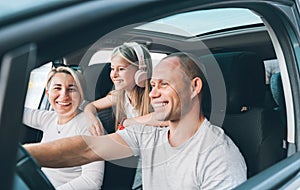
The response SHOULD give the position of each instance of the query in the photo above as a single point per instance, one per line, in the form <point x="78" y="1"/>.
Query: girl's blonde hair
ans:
<point x="140" y="96"/>
<point x="76" y="74"/>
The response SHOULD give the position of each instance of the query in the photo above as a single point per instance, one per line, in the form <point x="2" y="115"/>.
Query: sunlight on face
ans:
<point x="169" y="94"/>
<point x="122" y="73"/>
<point x="63" y="94"/>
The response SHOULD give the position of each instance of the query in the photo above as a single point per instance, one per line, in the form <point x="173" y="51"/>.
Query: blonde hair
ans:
<point x="140" y="96"/>
<point x="76" y="74"/>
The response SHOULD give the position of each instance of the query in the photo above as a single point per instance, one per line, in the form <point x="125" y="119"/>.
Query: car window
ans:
<point x="264" y="31"/>
<point x="36" y="86"/>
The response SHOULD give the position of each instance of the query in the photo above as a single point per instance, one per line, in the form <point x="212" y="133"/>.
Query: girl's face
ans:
<point x="122" y="73"/>
<point x="64" y="95"/>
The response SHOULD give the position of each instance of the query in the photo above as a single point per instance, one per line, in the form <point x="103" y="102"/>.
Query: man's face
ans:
<point x="170" y="95"/>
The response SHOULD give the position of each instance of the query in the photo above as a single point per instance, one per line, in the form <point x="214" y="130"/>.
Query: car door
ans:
<point x="285" y="36"/>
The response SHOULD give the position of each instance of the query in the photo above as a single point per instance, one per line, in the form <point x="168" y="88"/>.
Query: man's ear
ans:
<point x="196" y="86"/>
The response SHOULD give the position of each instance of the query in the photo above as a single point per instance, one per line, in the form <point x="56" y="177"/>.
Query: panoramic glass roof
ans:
<point x="203" y="21"/>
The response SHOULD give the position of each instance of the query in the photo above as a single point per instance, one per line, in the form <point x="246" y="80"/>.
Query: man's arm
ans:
<point x="148" y="119"/>
<point x="79" y="150"/>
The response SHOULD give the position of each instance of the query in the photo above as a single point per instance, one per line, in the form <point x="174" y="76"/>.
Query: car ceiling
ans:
<point x="62" y="32"/>
<point x="254" y="39"/>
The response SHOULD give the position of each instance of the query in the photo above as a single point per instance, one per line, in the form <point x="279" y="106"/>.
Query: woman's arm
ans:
<point x="79" y="150"/>
<point x="148" y="119"/>
<point x="91" y="177"/>
<point x="36" y="118"/>
<point x="91" y="111"/>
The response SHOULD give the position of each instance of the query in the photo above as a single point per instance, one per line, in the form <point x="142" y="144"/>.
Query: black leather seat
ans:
<point x="99" y="85"/>
<point x="118" y="174"/>
<point x="254" y="128"/>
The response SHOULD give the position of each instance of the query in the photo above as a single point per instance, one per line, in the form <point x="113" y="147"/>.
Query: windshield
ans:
<point x="203" y="21"/>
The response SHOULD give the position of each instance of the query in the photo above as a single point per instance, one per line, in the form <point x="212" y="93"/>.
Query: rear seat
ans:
<point x="118" y="174"/>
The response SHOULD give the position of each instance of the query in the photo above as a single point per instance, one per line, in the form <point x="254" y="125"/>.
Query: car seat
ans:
<point x="118" y="174"/>
<point x="254" y="128"/>
<point x="277" y="93"/>
<point x="99" y="85"/>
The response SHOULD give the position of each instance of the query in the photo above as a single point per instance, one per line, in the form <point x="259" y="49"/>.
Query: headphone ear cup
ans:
<point x="140" y="77"/>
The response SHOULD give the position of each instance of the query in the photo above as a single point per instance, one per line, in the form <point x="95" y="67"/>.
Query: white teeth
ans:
<point x="118" y="80"/>
<point x="64" y="103"/>
<point x="158" y="105"/>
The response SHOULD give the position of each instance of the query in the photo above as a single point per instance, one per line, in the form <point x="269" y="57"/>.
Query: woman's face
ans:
<point x="63" y="94"/>
<point x="122" y="73"/>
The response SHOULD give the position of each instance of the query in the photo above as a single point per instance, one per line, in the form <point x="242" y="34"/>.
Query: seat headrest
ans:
<point x="98" y="81"/>
<point x="244" y="77"/>
<point x="277" y="89"/>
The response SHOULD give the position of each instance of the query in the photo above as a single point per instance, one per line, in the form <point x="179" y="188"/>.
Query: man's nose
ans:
<point x="154" y="92"/>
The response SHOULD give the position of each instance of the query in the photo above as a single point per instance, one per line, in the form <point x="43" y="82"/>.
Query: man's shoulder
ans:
<point x="145" y="128"/>
<point x="213" y="129"/>
<point x="143" y="131"/>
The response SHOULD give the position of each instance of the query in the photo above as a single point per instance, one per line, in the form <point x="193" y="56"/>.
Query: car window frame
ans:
<point x="280" y="16"/>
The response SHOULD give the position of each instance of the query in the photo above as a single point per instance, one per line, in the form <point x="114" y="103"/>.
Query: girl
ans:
<point x="131" y="69"/>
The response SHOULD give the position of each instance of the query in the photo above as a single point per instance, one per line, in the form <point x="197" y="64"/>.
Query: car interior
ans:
<point x="250" y="109"/>
<point x="250" y="119"/>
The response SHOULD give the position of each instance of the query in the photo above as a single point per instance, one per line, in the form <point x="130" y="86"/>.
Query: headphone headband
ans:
<point x="139" y="53"/>
<point x="141" y="74"/>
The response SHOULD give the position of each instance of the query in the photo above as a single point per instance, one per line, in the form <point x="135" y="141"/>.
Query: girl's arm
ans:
<point x="91" y="111"/>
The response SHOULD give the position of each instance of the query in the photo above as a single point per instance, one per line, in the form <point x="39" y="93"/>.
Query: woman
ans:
<point x="65" y="92"/>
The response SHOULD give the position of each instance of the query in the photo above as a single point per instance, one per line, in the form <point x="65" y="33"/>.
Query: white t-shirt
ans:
<point x="208" y="160"/>
<point x="129" y="109"/>
<point x="130" y="113"/>
<point x="89" y="176"/>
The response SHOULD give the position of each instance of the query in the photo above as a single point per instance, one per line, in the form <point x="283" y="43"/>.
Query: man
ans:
<point x="189" y="154"/>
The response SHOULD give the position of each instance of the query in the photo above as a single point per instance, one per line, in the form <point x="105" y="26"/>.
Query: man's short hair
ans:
<point x="192" y="67"/>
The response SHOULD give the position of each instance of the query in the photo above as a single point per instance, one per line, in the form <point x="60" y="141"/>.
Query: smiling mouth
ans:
<point x="159" y="106"/>
<point x="64" y="103"/>
<point x="118" y="81"/>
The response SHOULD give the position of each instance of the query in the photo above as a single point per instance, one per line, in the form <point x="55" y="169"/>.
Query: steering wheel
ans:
<point x="30" y="172"/>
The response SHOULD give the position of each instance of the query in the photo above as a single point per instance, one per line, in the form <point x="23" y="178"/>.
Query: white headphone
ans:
<point x="140" y="76"/>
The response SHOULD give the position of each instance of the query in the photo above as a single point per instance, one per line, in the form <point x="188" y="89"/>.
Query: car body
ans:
<point x="249" y="33"/>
